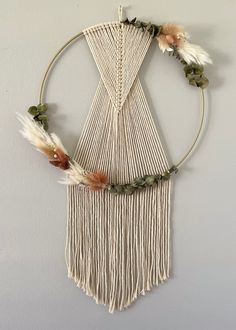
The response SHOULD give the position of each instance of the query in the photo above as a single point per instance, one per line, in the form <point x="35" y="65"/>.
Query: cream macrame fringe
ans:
<point x="118" y="246"/>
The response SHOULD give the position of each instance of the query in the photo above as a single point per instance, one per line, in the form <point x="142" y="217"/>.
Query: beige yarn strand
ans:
<point x="118" y="246"/>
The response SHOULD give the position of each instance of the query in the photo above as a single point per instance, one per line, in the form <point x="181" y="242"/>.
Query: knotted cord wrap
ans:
<point x="118" y="247"/>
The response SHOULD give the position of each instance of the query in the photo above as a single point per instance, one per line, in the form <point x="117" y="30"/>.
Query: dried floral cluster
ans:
<point x="173" y="39"/>
<point x="51" y="146"/>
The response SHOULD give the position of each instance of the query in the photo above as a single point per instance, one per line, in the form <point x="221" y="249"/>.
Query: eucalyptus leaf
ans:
<point x="166" y="176"/>
<point x="137" y="24"/>
<point x="129" y="190"/>
<point x="139" y="181"/>
<point x="204" y="83"/>
<point x="197" y="77"/>
<point x="149" y="26"/>
<point x="43" y="117"/>
<point x="158" y="177"/>
<point x="199" y="70"/>
<point x="42" y="108"/>
<point x="190" y="76"/>
<point x="112" y="188"/>
<point x="150" y="179"/>
<point x="192" y="82"/>
<point x="119" y="188"/>
<point x="188" y="69"/>
<point x="33" y="110"/>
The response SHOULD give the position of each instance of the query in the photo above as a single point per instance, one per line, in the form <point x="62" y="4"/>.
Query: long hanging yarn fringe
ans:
<point x="118" y="246"/>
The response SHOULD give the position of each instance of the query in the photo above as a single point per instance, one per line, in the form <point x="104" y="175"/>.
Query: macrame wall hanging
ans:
<point x="119" y="180"/>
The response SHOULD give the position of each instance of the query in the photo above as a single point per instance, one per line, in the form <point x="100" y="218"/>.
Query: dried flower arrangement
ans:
<point x="173" y="39"/>
<point x="51" y="146"/>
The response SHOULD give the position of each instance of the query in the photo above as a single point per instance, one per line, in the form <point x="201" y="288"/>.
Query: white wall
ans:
<point x="35" y="292"/>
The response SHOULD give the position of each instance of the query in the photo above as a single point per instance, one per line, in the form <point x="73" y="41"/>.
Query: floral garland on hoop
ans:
<point x="171" y="38"/>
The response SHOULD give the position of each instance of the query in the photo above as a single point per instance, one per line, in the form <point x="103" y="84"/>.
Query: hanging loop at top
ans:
<point x="120" y="13"/>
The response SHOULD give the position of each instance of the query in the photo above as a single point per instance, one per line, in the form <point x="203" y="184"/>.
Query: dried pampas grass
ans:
<point x="36" y="135"/>
<point x="48" y="144"/>
<point x="51" y="146"/>
<point x="174" y="38"/>
<point x="77" y="175"/>
<point x="97" y="180"/>
<point x="192" y="53"/>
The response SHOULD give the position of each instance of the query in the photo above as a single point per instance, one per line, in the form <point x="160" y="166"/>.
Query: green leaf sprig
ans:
<point x="195" y="75"/>
<point x="193" y="72"/>
<point x="140" y="183"/>
<point x="38" y="113"/>
<point x="153" y="29"/>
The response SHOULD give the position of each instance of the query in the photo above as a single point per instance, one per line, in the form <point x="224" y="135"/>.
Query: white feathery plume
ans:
<point x="192" y="53"/>
<point x="35" y="133"/>
<point x="48" y="144"/>
<point x="58" y="143"/>
<point x="74" y="175"/>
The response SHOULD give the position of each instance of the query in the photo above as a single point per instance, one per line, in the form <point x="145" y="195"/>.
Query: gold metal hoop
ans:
<point x="202" y="98"/>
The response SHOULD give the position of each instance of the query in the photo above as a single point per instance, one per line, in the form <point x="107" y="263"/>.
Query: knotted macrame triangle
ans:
<point x="118" y="245"/>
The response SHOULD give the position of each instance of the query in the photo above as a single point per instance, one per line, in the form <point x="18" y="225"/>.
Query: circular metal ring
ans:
<point x="202" y="96"/>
